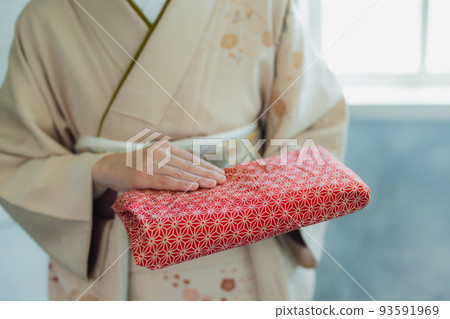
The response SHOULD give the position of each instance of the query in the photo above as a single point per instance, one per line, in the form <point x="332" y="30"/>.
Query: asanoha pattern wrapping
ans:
<point x="256" y="202"/>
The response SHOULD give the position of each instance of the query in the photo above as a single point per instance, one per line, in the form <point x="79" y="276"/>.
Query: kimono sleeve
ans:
<point x="45" y="188"/>
<point x="307" y="103"/>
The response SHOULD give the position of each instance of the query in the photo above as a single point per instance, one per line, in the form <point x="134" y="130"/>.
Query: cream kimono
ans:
<point x="208" y="67"/>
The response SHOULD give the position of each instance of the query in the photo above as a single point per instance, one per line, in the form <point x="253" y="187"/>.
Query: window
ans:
<point x="395" y="43"/>
<point x="438" y="47"/>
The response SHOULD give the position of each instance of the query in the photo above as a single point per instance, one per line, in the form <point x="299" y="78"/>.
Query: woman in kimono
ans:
<point x="110" y="69"/>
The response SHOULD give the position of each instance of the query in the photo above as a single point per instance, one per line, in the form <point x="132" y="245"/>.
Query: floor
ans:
<point x="398" y="248"/>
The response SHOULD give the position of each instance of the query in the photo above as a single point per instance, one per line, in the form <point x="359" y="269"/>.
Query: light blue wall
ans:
<point x="9" y="10"/>
<point x="23" y="264"/>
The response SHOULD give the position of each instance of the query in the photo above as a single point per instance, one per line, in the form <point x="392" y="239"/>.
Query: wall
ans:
<point x="23" y="264"/>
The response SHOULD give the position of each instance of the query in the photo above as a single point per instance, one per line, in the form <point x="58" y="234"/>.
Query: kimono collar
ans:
<point x="162" y="64"/>
<point x="150" y="8"/>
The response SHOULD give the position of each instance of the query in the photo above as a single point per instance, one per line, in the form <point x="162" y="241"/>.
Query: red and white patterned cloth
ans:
<point x="256" y="202"/>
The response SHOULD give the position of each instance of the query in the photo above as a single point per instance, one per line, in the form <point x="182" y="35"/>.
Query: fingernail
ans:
<point x="194" y="186"/>
<point x="209" y="183"/>
<point x="221" y="178"/>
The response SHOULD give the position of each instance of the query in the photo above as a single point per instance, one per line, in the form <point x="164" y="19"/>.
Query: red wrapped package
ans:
<point x="256" y="202"/>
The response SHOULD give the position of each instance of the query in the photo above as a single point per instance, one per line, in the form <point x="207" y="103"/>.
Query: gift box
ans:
<point x="259" y="200"/>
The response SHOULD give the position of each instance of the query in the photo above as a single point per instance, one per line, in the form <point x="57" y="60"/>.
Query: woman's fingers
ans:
<point x="194" y="158"/>
<point x="168" y="183"/>
<point x="201" y="171"/>
<point x="178" y="173"/>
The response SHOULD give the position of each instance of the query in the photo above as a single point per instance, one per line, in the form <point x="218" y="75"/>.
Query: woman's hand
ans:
<point x="179" y="174"/>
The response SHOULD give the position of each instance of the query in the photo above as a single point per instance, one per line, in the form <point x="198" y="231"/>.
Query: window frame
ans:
<point x="419" y="79"/>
